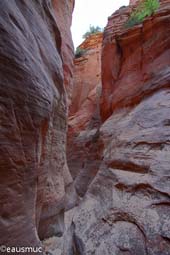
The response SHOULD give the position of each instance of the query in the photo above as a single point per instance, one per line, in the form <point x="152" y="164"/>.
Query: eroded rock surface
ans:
<point x="63" y="14"/>
<point x="118" y="145"/>
<point x="87" y="84"/>
<point x="34" y="173"/>
<point x="133" y="1"/>
<point x="84" y="116"/>
<point x="126" y="209"/>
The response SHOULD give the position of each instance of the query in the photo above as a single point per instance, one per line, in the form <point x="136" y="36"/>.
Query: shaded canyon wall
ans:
<point x="35" y="46"/>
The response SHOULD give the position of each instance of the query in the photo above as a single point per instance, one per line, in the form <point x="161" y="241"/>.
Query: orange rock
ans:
<point x="84" y="115"/>
<point x="87" y="83"/>
<point x="126" y="209"/>
<point x="132" y="53"/>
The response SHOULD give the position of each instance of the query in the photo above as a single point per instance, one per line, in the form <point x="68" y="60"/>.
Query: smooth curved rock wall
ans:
<point x="34" y="173"/>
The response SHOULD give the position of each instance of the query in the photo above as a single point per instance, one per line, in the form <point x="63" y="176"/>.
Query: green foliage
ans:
<point x="145" y="9"/>
<point x="79" y="52"/>
<point x="92" y="30"/>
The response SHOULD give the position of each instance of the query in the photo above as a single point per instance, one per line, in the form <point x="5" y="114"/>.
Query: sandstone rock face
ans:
<point x="84" y="115"/>
<point x="118" y="145"/>
<point x="87" y="80"/>
<point x="133" y="1"/>
<point x="126" y="209"/>
<point x="63" y="13"/>
<point x="34" y="173"/>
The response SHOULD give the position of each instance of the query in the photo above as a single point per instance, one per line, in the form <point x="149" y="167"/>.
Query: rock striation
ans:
<point x="63" y="14"/>
<point x="86" y="87"/>
<point x="84" y="114"/>
<point x="118" y="147"/>
<point x="126" y="209"/>
<point x="33" y="119"/>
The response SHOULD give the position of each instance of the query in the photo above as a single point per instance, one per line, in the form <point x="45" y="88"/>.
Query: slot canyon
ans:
<point x="84" y="141"/>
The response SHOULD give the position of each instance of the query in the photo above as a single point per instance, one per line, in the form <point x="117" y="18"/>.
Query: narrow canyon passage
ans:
<point x="85" y="138"/>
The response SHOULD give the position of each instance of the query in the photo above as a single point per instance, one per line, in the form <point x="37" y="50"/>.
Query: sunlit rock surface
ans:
<point x="84" y="116"/>
<point x="87" y="83"/>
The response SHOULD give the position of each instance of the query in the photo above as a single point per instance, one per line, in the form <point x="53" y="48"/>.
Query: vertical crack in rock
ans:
<point x="120" y="56"/>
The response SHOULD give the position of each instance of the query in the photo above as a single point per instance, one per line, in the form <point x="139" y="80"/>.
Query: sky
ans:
<point x="92" y="12"/>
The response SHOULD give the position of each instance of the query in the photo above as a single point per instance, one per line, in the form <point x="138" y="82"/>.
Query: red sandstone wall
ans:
<point x="126" y="208"/>
<point x="34" y="174"/>
<point x="84" y="115"/>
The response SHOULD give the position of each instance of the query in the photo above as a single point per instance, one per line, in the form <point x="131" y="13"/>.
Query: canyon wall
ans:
<point x="87" y="81"/>
<point x="63" y="14"/>
<point x="126" y="208"/>
<point x="118" y="147"/>
<point x="35" y="46"/>
<point x="84" y="114"/>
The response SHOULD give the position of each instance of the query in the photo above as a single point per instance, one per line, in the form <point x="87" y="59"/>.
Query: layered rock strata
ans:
<point x="126" y="209"/>
<point x="87" y="83"/>
<point x="63" y="14"/>
<point x="118" y="136"/>
<point x="84" y="115"/>
<point x="34" y="173"/>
